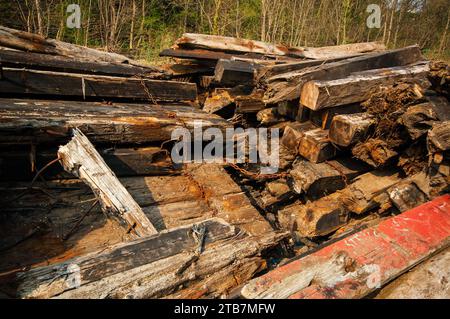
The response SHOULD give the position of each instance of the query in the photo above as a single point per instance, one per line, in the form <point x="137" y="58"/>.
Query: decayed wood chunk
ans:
<point x="316" y="218"/>
<point x="293" y="134"/>
<point x="231" y="73"/>
<point x="51" y="121"/>
<point x="406" y="195"/>
<point x="316" y="147"/>
<point x="217" y="102"/>
<point x="323" y="118"/>
<point x="374" y="152"/>
<point x="81" y="159"/>
<point x="418" y="119"/>
<point x="346" y="130"/>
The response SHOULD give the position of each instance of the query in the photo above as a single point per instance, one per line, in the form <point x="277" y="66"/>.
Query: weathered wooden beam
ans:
<point x="50" y="121"/>
<point x="52" y="280"/>
<point x="80" y="158"/>
<point x="439" y="137"/>
<point x="359" y="86"/>
<point x="317" y="218"/>
<point x="229" y="44"/>
<point x="316" y="180"/>
<point x="18" y="81"/>
<point x="197" y="54"/>
<point x="37" y="61"/>
<point x="316" y="147"/>
<point x="428" y="280"/>
<point x="288" y="86"/>
<point x="346" y="130"/>
<point x="232" y="73"/>
<point x="374" y="152"/>
<point x="293" y="134"/>
<point x="359" y="264"/>
<point x="217" y="102"/>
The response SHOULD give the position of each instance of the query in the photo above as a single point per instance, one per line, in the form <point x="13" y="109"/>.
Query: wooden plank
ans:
<point x="323" y="118"/>
<point x="18" y="81"/>
<point x="48" y="281"/>
<point x="197" y="54"/>
<point x="317" y="180"/>
<point x="316" y="147"/>
<point x="344" y="50"/>
<point x="357" y="265"/>
<point x="37" y="61"/>
<point x="80" y="158"/>
<point x="359" y="86"/>
<point x="227" y="198"/>
<point x="271" y="71"/>
<point x="418" y="119"/>
<point x="293" y="134"/>
<point x="288" y="86"/>
<point x="218" y="102"/>
<point x="346" y="130"/>
<point x="249" y="103"/>
<point x="49" y="121"/>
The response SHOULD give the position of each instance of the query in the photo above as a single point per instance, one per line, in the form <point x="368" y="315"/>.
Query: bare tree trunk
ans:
<point x="39" y="17"/>
<point x="133" y="17"/>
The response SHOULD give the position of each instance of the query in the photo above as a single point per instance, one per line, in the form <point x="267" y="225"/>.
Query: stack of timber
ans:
<point x="358" y="126"/>
<point x="93" y="205"/>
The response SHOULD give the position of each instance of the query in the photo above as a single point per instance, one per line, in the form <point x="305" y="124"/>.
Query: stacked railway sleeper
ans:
<point x="93" y="205"/>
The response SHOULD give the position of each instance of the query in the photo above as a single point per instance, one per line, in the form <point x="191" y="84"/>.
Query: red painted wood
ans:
<point x="375" y="255"/>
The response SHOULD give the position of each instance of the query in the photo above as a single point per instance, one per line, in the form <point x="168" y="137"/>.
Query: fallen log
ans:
<point x="359" y="86"/>
<point x="80" y="158"/>
<point x="48" y="121"/>
<point x="316" y="147"/>
<point x="18" y="81"/>
<point x="347" y="130"/>
<point x="288" y="86"/>
<point x="37" y="61"/>
<point x="359" y="264"/>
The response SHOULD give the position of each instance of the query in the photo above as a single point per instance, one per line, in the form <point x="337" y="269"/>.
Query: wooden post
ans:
<point x="80" y="158"/>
